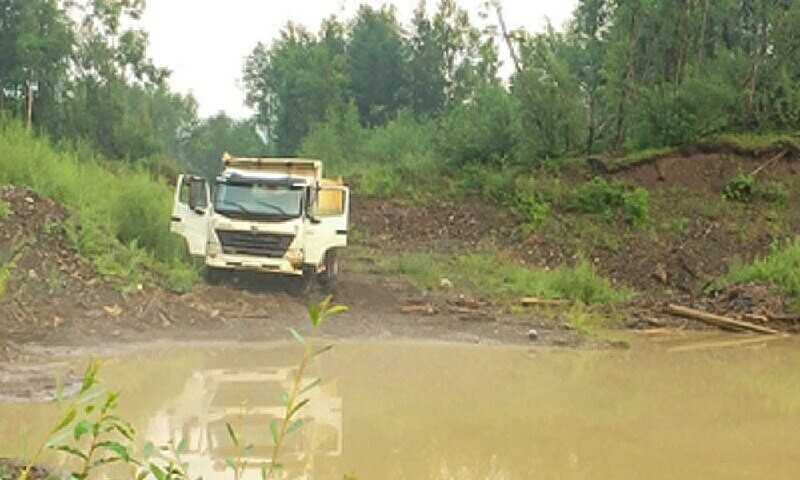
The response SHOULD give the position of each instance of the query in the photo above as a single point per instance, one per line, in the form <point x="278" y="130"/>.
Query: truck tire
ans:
<point x="309" y="278"/>
<point x="331" y="272"/>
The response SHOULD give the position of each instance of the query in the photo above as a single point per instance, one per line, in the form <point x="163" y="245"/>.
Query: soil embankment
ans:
<point x="53" y="297"/>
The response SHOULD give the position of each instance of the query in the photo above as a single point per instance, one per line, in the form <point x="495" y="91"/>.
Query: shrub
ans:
<point x="120" y="217"/>
<point x="746" y="189"/>
<point x="599" y="196"/>
<point x="740" y="189"/>
<point x="781" y="268"/>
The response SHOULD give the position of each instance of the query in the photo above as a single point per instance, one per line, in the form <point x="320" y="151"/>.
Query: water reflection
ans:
<point x="689" y="408"/>
<point x="248" y="400"/>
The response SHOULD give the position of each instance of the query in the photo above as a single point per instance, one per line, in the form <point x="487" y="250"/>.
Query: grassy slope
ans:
<point x="120" y="219"/>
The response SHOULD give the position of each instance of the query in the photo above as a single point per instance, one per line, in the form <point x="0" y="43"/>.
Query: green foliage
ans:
<point x="781" y="268"/>
<point x="120" y="220"/>
<point x="5" y="210"/>
<point x="609" y="198"/>
<point x="203" y="148"/>
<point x="746" y="188"/>
<point x="484" y="131"/>
<point x="384" y="161"/>
<point x="491" y="275"/>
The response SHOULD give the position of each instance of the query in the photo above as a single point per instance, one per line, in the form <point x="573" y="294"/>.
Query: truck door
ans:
<point x="190" y="212"/>
<point x="332" y="213"/>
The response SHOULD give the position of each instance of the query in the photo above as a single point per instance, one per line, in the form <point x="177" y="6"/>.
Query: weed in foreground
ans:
<point x="92" y="433"/>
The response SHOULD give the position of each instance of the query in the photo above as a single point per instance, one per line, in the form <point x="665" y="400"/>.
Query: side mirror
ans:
<point x="199" y="210"/>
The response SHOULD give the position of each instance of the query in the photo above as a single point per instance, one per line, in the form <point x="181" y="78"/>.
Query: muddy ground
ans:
<point x="54" y="298"/>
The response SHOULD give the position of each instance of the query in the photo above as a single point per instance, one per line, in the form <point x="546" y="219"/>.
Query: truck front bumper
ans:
<point x="253" y="264"/>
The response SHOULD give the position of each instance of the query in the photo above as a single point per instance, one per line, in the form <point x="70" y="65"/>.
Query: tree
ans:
<point x="375" y="64"/>
<point x="292" y="82"/>
<point x="202" y="150"/>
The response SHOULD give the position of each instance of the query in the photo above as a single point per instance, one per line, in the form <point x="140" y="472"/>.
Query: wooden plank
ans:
<point x="717" y="320"/>
<point x="543" y="302"/>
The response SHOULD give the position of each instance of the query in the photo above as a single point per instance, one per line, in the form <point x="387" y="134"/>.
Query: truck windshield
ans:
<point x="259" y="200"/>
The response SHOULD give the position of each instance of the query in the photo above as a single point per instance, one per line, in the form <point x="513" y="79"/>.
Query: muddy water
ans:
<point x="680" y="408"/>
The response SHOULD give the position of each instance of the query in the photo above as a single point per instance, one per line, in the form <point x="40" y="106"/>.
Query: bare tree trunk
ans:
<point x="628" y="77"/>
<point x="29" y="113"/>
<point x="499" y="9"/>
<point x="701" y="50"/>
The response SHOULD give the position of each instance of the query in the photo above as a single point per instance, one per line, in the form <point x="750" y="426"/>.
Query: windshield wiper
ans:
<point x="237" y="205"/>
<point x="274" y="207"/>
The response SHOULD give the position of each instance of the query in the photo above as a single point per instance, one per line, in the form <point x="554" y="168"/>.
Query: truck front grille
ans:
<point x="271" y="245"/>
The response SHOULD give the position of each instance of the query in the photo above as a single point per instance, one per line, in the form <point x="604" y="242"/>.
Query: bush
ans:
<point x="384" y="161"/>
<point x="120" y="219"/>
<point x="484" y="131"/>
<point x="746" y="188"/>
<point x="781" y="268"/>
<point x="599" y="196"/>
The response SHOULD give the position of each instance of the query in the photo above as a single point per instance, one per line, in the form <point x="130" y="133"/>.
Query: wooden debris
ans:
<point x="419" y="310"/>
<point x="768" y="163"/>
<point x="543" y="302"/>
<point x="717" y="320"/>
<point x="744" y="342"/>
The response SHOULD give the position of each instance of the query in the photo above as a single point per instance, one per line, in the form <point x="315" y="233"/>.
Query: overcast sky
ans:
<point x="205" y="42"/>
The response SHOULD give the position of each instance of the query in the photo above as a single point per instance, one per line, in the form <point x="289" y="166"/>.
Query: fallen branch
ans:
<point x="543" y="302"/>
<point x="419" y="309"/>
<point x="744" y="342"/>
<point x="717" y="320"/>
<point x="768" y="163"/>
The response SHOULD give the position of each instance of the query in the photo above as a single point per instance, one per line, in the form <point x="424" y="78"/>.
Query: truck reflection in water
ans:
<point x="248" y="401"/>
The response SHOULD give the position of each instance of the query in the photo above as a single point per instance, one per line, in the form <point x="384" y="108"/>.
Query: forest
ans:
<point x="620" y="76"/>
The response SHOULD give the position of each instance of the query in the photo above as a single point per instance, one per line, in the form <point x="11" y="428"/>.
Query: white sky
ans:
<point x="205" y="42"/>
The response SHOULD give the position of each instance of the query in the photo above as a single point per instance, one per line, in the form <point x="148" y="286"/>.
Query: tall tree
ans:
<point x="375" y="64"/>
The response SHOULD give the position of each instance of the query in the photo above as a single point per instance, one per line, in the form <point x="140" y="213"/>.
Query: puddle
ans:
<point x="695" y="409"/>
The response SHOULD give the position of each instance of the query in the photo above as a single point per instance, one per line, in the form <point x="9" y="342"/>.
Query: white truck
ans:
<point x="271" y="215"/>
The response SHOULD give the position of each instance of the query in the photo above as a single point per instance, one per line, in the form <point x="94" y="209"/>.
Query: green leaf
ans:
<point x="310" y="386"/>
<point x="232" y="434"/>
<point x="273" y="427"/>
<point x="91" y="396"/>
<point x="104" y="461"/>
<point x="125" y="430"/>
<point x="90" y="376"/>
<point x="117" y="448"/>
<point x="68" y="418"/>
<point x="322" y="350"/>
<point x="263" y="471"/>
<point x="248" y="450"/>
<point x="72" y="451"/>
<point x="142" y="475"/>
<point x="313" y="312"/>
<point x="57" y="439"/>
<point x="297" y="407"/>
<point x="297" y="336"/>
<point x="182" y="445"/>
<point x="111" y="403"/>
<point x="230" y="463"/>
<point x="158" y="472"/>
<point x="294" y="426"/>
<point x="337" y="309"/>
<point x="325" y="304"/>
<point x="81" y="429"/>
<point x="285" y="398"/>
<point x="148" y="450"/>
<point x="89" y="409"/>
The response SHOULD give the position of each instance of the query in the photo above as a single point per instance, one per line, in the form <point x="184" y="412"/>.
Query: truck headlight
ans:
<point x="295" y="257"/>
<point x="213" y="248"/>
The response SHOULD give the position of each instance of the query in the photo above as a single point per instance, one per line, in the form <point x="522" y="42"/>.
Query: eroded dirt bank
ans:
<point x="53" y="297"/>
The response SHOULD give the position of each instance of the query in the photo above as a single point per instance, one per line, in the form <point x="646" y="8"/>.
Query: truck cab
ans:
<point x="270" y="215"/>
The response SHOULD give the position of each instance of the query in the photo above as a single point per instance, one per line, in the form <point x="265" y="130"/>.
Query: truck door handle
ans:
<point x="176" y="218"/>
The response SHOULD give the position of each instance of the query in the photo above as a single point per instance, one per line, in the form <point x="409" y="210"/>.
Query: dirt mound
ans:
<point x="440" y="225"/>
<point x="707" y="172"/>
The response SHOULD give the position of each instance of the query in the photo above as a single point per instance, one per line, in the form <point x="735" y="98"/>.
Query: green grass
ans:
<point x="119" y="220"/>
<point x="490" y="275"/>
<point x="781" y="269"/>
<point x="639" y="156"/>
<point x="5" y="210"/>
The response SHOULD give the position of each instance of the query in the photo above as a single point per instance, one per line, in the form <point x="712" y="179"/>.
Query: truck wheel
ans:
<point x="309" y="278"/>
<point x="328" y="277"/>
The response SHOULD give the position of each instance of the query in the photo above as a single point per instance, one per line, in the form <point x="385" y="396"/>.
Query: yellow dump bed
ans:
<point x="290" y="167"/>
